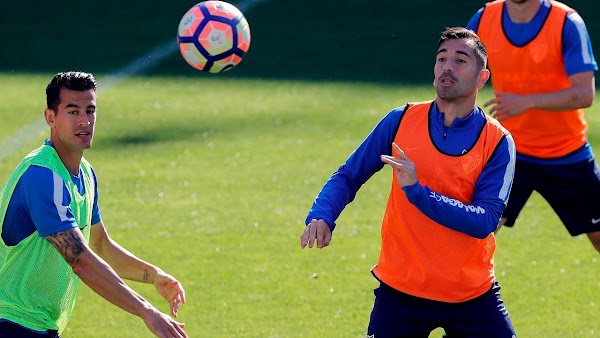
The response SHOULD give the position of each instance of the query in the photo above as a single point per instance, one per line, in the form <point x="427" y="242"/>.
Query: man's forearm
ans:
<point x="103" y="280"/>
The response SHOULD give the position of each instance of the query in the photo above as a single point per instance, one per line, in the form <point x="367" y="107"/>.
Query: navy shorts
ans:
<point x="572" y="190"/>
<point x="396" y="315"/>
<point x="11" y="330"/>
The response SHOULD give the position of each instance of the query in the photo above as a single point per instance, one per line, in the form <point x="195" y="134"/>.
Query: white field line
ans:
<point x="29" y="132"/>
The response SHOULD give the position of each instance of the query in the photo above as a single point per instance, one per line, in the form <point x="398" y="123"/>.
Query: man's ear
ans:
<point x="484" y="76"/>
<point x="50" y="117"/>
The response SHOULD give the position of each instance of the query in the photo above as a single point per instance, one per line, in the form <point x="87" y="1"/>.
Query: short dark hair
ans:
<point x="466" y="35"/>
<point x="68" y="80"/>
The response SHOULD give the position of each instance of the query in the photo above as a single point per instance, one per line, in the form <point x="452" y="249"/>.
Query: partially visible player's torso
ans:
<point x="534" y="67"/>
<point x="419" y="256"/>
<point x="38" y="286"/>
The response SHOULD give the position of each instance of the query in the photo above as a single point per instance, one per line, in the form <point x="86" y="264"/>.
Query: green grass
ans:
<point x="211" y="179"/>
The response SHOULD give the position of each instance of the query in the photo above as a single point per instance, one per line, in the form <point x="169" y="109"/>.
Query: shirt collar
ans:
<point x="457" y="123"/>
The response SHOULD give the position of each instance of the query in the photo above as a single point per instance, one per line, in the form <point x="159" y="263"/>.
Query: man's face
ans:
<point x="456" y="71"/>
<point x="73" y="123"/>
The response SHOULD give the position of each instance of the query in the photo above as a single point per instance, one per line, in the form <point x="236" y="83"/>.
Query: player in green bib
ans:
<point x="52" y="234"/>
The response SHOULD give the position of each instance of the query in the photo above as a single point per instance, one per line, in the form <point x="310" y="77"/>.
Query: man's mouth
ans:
<point x="447" y="80"/>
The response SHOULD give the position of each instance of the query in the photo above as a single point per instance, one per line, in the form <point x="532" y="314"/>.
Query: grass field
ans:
<point x="214" y="188"/>
<point x="211" y="177"/>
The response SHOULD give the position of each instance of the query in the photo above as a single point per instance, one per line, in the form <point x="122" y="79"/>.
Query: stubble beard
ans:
<point x="448" y="94"/>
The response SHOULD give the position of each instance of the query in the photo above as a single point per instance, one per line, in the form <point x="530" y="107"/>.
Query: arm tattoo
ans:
<point x="146" y="275"/>
<point x="70" y="244"/>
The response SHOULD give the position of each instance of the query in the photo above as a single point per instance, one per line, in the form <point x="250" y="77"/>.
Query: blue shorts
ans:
<point x="396" y="314"/>
<point x="572" y="191"/>
<point x="9" y="329"/>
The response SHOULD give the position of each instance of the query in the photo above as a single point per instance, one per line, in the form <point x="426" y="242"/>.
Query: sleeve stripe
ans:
<point x="58" y="197"/>
<point x="582" y="32"/>
<point x="510" y="170"/>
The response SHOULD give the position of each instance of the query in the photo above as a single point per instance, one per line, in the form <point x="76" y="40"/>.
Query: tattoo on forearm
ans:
<point x="146" y="275"/>
<point x="69" y="243"/>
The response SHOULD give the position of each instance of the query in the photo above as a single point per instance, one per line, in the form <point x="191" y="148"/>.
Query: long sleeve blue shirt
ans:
<point x="491" y="190"/>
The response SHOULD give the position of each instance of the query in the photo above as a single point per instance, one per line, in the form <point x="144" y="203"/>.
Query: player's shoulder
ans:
<point x="574" y="30"/>
<point x="37" y="176"/>
<point x="575" y="19"/>
<point x="395" y="113"/>
<point x="398" y="110"/>
<point x="558" y="4"/>
<point x="38" y="171"/>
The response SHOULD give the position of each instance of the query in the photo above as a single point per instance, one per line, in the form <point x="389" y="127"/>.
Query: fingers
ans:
<point x="404" y="165"/>
<point x="162" y="325"/>
<point x="175" y="330"/>
<point x="312" y="233"/>
<point x="400" y="163"/>
<point x="320" y="236"/>
<point x="316" y="231"/>
<point x="497" y="113"/>
<point x="174" y="293"/>
<point x="309" y="235"/>
<point x="404" y="169"/>
<point x="323" y="236"/>
<point x="179" y="329"/>
<point x="391" y="161"/>
<point x="490" y="102"/>
<point x="400" y="152"/>
<point x="181" y="292"/>
<point x="493" y="111"/>
<point x="305" y="236"/>
<point x="175" y="304"/>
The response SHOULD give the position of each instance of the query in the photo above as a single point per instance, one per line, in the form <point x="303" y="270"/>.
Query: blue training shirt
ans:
<point x="577" y="55"/>
<point x="491" y="190"/>
<point x="41" y="202"/>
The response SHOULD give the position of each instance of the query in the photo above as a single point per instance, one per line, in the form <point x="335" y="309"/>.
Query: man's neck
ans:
<point x="71" y="162"/>
<point x="69" y="158"/>
<point x="454" y="109"/>
<point x="522" y="12"/>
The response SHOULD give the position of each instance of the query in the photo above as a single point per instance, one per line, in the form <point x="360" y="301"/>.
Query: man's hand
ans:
<point x="506" y="105"/>
<point x="317" y="231"/>
<point x="162" y="325"/>
<point x="171" y="290"/>
<point x="403" y="167"/>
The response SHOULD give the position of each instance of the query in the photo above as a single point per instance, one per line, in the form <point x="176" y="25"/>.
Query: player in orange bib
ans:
<point x="452" y="172"/>
<point x="542" y="67"/>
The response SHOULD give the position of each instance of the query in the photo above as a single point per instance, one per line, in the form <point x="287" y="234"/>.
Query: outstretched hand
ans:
<point x="162" y="325"/>
<point x="316" y="231"/>
<point x="403" y="167"/>
<point x="171" y="290"/>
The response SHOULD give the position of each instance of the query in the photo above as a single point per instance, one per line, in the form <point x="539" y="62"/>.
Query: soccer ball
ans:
<point x="213" y="36"/>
